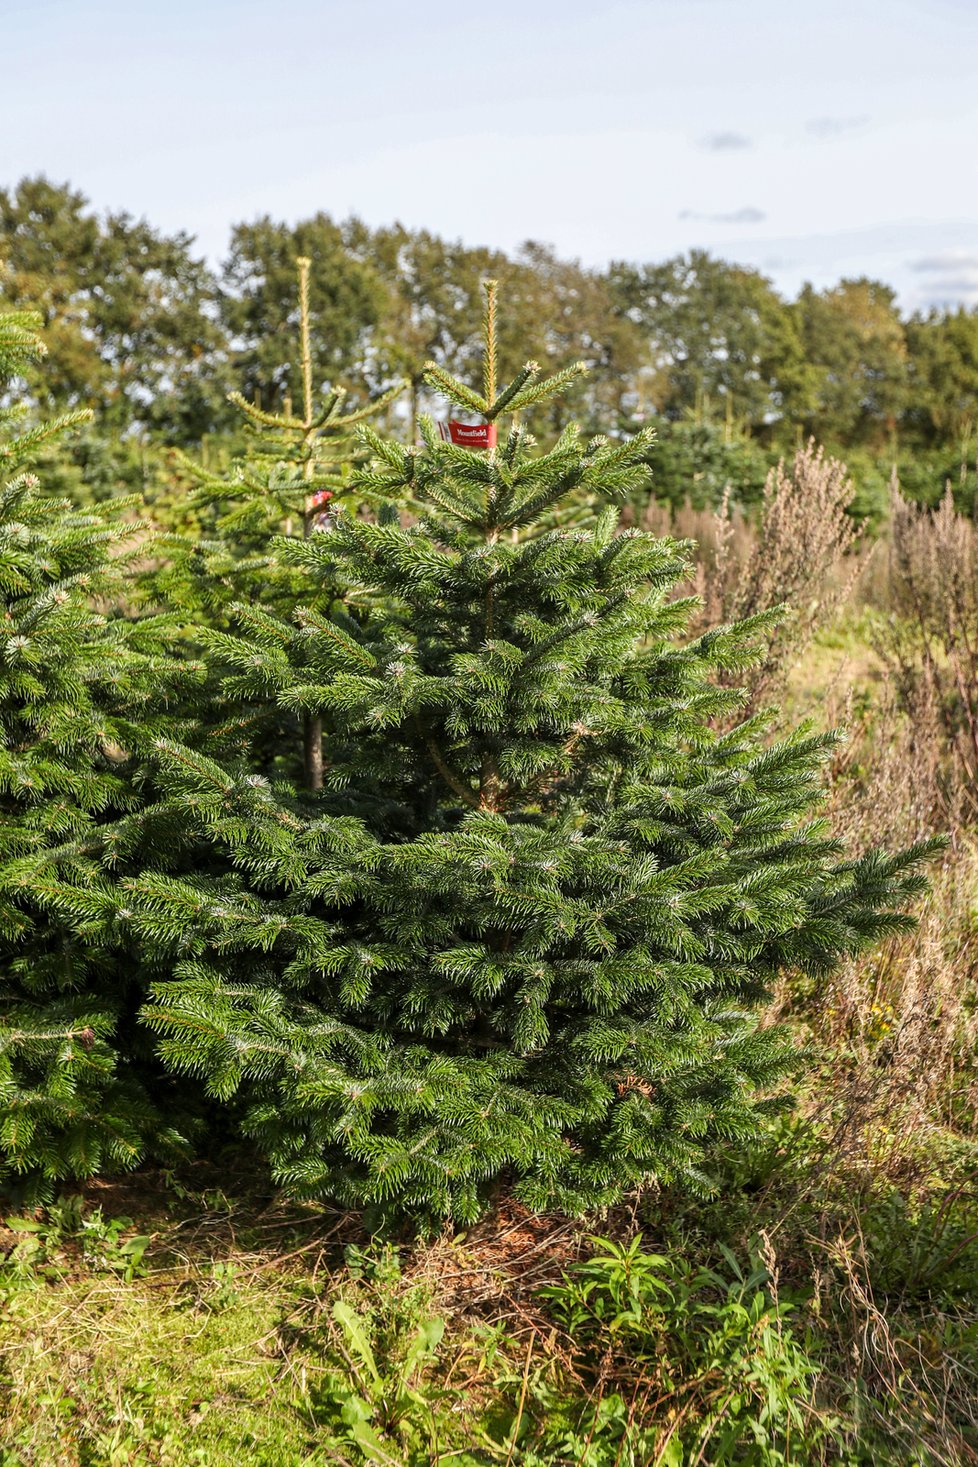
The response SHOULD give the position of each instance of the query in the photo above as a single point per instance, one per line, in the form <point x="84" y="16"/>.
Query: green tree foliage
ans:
<point x="129" y="313"/>
<point x="145" y="332"/>
<point x="561" y="313"/>
<point x="943" y="370"/>
<point x="433" y="309"/>
<point x="260" y="310"/>
<point x="701" y="462"/>
<point x="295" y="472"/>
<point x="854" y="338"/>
<point x="565" y="313"/>
<point x="80" y="700"/>
<point x="523" y="936"/>
<point x="719" y="338"/>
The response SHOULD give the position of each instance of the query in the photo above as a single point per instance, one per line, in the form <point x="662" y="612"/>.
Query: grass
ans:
<point x="219" y="1339"/>
<point x="181" y="1361"/>
<point x="821" y="1309"/>
<point x="841" y="670"/>
<point x="124" y="1374"/>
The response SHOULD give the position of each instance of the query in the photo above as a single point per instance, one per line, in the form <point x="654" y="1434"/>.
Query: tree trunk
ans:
<point x="312" y="752"/>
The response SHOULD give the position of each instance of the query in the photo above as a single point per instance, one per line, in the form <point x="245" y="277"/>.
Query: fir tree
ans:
<point x="526" y="937"/>
<point x="80" y="696"/>
<point x="296" y="470"/>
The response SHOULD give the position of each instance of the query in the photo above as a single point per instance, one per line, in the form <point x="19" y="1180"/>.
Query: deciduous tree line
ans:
<point x="149" y="334"/>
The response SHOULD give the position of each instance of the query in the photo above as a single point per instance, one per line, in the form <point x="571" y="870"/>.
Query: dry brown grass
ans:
<point x="929" y="639"/>
<point x="799" y="553"/>
<point x="897" y="1029"/>
<point x="893" y="1094"/>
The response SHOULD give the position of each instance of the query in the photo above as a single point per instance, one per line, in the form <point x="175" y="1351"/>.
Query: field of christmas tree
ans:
<point x="489" y="961"/>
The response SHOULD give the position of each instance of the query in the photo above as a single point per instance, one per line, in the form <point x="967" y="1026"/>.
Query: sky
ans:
<point x="810" y="140"/>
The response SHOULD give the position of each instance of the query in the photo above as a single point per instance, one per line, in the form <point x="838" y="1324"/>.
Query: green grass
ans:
<point x="840" y="674"/>
<point x="103" y="1373"/>
<point x="189" y="1361"/>
<point x="803" y="1317"/>
<point x="195" y="1329"/>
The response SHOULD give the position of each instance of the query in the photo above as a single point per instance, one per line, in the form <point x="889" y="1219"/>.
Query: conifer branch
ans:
<point x="453" y="389"/>
<point x="453" y="781"/>
<point x="332" y="632"/>
<point x="329" y="410"/>
<point x="375" y="406"/>
<point x="260" y="417"/>
<point x="500" y="404"/>
<point x="25" y="443"/>
<point x="490" y="288"/>
<point x="549" y="387"/>
<point x="304" y="265"/>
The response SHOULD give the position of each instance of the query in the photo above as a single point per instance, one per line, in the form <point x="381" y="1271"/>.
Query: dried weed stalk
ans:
<point x="929" y="639"/>
<point x="798" y="554"/>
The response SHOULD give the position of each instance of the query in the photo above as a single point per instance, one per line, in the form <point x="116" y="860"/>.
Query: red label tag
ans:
<point x="472" y="435"/>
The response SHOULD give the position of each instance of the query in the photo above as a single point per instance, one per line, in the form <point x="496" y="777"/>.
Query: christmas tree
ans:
<point x="81" y="695"/>
<point x="296" y="470"/>
<point x="526" y="936"/>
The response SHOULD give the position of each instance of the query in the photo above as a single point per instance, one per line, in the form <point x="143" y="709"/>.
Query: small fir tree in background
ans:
<point x="81" y="696"/>
<point x="525" y="938"/>
<point x="296" y="470"/>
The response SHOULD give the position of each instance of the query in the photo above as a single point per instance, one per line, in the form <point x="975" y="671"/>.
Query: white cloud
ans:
<point x="954" y="262"/>
<point x="747" y="215"/>
<point x="725" y="142"/>
<point x="831" y="127"/>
